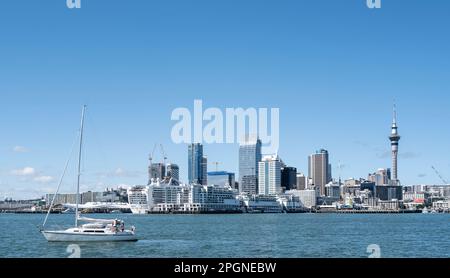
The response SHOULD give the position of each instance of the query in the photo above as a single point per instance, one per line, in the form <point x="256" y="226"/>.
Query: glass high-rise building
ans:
<point x="173" y="171"/>
<point x="249" y="157"/>
<point x="289" y="177"/>
<point x="221" y="178"/>
<point x="197" y="165"/>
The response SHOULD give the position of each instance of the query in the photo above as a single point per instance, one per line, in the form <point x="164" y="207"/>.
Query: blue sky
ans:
<point x="332" y="67"/>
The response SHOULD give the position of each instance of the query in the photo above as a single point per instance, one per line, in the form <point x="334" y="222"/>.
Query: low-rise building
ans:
<point x="307" y="198"/>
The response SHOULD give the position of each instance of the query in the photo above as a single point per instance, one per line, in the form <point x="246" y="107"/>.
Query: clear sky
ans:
<point x="332" y="67"/>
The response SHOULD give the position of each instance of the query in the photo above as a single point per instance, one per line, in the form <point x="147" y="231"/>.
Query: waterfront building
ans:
<point x="249" y="157"/>
<point x="351" y="186"/>
<point x="307" y="198"/>
<point x="90" y="197"/>
<point x="389" y="192"/>
<point x="368" y="185"/>
<point x="441" y="205"/>
<point x="170" y="196"/>
<point x="320" y="170"/>
<point x="61" y="199"/>
<point x="261" y="203"/>
<point x="221" y="178"/>
<point x="197" y="168"/>
<point x="333" y="190"/>
<point x="269" y="178"/>
<point x="288" y="178"/>
<point x="393" y="205"/>
<point x="416" y="197"/>
<point x="215" y="198"/>
<point x="415" y="188"/>
<point x="173" y="171"/>
<point x="290" y="203"/>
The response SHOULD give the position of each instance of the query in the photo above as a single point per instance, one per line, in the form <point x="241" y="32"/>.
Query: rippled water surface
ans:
<point x="229" y="236"/>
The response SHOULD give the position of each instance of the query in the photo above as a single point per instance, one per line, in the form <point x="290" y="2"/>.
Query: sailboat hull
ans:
<point x="66" y="236"/>
<point x="97" y="230"/>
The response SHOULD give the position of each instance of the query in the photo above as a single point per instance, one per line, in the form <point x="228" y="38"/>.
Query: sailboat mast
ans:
<point x="79" y="165"/>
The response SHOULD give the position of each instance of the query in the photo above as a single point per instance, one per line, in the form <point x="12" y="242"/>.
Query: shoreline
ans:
<point x="239" y="212"/>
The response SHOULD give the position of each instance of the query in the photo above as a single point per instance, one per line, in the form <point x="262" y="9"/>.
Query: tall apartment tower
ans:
<point x="249" y="157"/>
<point x="320" y="170"/>
<point x="394" y="138"/>
<point x="269" y="175"/>
<point x="196" y="164"/>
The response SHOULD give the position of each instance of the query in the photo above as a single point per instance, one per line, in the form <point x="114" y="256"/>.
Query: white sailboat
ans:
<point x="94" y="230"/>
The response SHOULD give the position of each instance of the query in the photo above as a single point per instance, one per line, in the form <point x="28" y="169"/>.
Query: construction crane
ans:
<point x="440" y="176"/>
<point x="152" y="154"/>
<point x="163" y="154"/>
<point x="340" y="166"/>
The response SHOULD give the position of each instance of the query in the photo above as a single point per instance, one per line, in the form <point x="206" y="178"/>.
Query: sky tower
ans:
<point x="394" y="138"/>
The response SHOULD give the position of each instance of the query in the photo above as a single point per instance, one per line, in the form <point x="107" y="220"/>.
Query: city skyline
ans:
<point x="334" y="81"/>
<point x="192" y="149"/>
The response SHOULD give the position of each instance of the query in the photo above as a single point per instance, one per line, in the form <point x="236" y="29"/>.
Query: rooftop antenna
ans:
<point x="394" y="116"/>
<point x="340" y="172"/>
<point x="217" y="165"/>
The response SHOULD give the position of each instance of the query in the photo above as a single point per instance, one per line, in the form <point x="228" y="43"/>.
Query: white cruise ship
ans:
<point x="138" y="199"/>
<point x="169" y="196"/>
<point x="262" y="204"/>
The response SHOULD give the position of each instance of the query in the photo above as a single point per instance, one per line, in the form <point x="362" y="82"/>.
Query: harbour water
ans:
<point x="243" y="235"/>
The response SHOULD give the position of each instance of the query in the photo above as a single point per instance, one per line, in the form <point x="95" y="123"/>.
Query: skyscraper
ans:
<point x="249" y="157"/>
<point x="156" y="171"/>
<point x="289" y="177"/>
<point x="173" y="171"/>
<point x="196" y="165"/>
<point x="204" y="180"/>
<point x="269" y="176"/>
<point x="320" y="170"/>
<point x="302" y="181"/>
<point x="394" y="138"/>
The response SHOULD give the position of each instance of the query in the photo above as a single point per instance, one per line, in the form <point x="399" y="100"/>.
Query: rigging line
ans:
<point x="60" y="182"/>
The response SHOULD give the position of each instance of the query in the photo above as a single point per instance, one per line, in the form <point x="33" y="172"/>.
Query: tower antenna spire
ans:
<point x="394" y="118"/>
